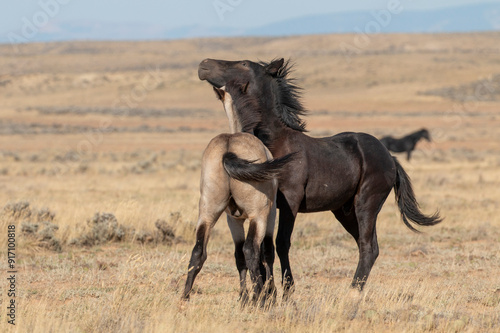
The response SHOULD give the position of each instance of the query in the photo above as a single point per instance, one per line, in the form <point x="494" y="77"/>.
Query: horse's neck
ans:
<point x="232" y="116"/>
<point x="277" y="137"/>
<point x="415" y="137"/>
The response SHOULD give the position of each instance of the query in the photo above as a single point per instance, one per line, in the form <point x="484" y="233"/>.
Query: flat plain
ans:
<point x="100" y="151"/>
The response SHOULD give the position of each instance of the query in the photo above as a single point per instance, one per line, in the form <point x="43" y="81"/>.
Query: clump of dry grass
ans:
<point x="35" y="224"/>
<point x="104" y="227"/>
<point x="39" y="230"/>
<point x="164" y="233"/>
<point x="43" y="234"/>
<point x="17" y="210"/>
<point x="145" y="166"/>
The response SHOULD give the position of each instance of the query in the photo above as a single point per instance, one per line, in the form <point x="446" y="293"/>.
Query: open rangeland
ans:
<point x="100" y="154"/>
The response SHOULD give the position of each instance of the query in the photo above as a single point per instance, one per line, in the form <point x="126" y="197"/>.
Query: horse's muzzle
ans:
<point x="205" y="68"/>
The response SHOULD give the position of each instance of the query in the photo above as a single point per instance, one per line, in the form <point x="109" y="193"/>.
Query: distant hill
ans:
<point x="478" y="17"/>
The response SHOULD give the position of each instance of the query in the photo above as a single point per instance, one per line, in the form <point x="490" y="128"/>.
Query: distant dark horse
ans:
<point x="350" y="174"/>
<point x="405" y="144"/>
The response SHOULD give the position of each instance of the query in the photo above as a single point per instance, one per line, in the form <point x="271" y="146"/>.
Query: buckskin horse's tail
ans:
<point x="244" y="170"/>
<point x="407" y="203"/>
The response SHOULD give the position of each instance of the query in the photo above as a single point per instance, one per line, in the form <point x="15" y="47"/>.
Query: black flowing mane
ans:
<point x="288" y="107"/>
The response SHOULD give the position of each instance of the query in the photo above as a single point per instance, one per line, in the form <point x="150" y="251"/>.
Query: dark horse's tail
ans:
<point x="407" y="203"/>
<point x="244" y="170"/>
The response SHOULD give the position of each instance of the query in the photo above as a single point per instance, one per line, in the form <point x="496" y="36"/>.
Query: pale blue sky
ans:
<point x="56" y="20"/>
<point x="172" y="14"/>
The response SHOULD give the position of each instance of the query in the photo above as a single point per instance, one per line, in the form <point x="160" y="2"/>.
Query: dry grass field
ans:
<point x="100" y="150"/>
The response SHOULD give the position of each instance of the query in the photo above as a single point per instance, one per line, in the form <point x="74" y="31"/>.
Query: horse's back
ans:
<point x="249" y="147"/>
<point x="334" y="167"/>
<point x="361" y="144"/>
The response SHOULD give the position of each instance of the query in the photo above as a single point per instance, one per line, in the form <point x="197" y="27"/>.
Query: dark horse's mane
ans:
<point x="288" y="106"/>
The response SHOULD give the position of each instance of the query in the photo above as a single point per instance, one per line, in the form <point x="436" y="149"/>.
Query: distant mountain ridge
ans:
<point x="468" y="18"/>
<point x="480" y="17"/>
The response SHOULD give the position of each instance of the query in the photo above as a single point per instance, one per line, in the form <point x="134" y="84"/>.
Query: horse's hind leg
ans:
<point x="367" y="209"/>
<point x="206" y="221"/>
<point x="238" y="234"/>
<point x="251" y="249"/>
<point x="368" y="253"/>
<point x="360" y="222"/>
<point x="267" y="250"/>
<point x="350" y="223"/>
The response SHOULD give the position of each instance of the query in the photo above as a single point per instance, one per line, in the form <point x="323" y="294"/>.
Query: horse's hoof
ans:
<point x="287" y="294"/>
<point x="244" y="299"/>
<point x="183" y="303"/>
<point x="267" y="302"/>
<point x="354" y="294"/>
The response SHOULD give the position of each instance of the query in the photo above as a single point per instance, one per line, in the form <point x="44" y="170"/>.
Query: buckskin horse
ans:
<point x="350" y="174"/>
<point x="407" y="143"/>
<point x="238" y="175"/>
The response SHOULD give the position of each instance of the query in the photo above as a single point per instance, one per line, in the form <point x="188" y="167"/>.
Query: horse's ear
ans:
<point x="274" y="66"/>
<point x="244" y="87"/>
<point x="219" y="93"/>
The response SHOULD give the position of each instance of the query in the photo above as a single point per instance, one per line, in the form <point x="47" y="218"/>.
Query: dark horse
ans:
<point x="350" y="174"/>
<point x="406" y="143"/>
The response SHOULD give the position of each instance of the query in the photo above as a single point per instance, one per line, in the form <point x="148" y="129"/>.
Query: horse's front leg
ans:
<point x="287" y="217"/>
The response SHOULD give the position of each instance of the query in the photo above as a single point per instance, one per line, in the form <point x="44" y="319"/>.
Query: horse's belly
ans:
<point x="326" y="197"/>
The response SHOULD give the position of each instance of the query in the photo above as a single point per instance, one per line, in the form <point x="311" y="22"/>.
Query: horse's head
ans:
<point x="219" y="72"/>
<point x="268" y="83"/>
<point x="425" y="134"/>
